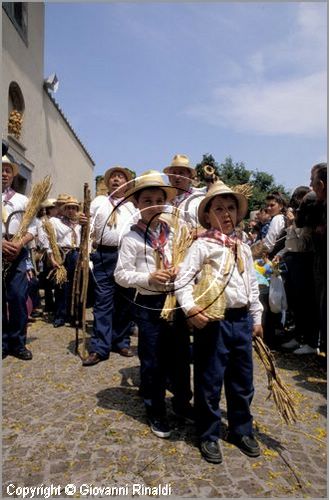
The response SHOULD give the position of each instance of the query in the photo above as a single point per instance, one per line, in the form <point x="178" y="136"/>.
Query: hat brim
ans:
<point x="242" y="203"/>
<point x="170" y="191"/>
<point x="167" y="170"/>
<point x="70" y="204"/>
<point x="110" y="171"/>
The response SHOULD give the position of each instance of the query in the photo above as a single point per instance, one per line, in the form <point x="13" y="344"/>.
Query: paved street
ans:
<point x="64" y="423"/>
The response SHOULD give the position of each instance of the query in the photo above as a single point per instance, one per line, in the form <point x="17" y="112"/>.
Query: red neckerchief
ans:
<point x="115" y="201"/>
<point x="68" y="222"/>
<point x="234" y="243"/>
<point x="181" y="197"/>
<point x="155" y="240"/>
<point x="219" y="237"/>
<point x="7" y="196"/>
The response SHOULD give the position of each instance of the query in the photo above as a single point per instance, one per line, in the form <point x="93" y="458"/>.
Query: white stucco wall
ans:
<point x="47" y="145"/>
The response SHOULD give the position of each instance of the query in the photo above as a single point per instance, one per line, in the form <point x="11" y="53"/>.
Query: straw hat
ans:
<point x="71" y="201"/>
<point x="61" y="198"/>
<point x="149" y="179"/>
<point x="49" y="203"/>
<point x="219" y="188"/>
<point x="14" y="166"/>
<point x="117" y="168"/>
<point x="180" y="161"/>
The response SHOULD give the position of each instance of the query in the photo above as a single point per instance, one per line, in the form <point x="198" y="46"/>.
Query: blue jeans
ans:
<point x="63" y="293"/>
<point x="223" y="354"/>
<point x="14" y="310"/>
<point x="112" y="307"/>
<point x="163" y="351"/>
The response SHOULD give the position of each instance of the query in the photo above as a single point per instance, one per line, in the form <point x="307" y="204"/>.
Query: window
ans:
<point x="16" y="108"/>
<point x="17" y="13"/>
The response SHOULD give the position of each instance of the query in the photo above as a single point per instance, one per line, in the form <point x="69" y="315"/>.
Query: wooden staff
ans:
<point x="81" y="276"/>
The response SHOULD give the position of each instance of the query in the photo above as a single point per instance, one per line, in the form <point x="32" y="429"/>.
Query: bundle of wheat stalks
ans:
<point x="59" y="274"/>
<point x="38" y="195"/>
<point x="181" y="243"/>
<point x="282" y="397"/>
<point x="209" y="294"/>
<point x="245" y="189"/>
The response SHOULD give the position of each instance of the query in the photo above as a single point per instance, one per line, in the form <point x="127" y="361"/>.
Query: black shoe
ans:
<point x="160" y="427"/>
<point x="211" y="452"/>
<point x="247" y="444"/>
<point x="185" y="412"/>
<point x="23" y="354"/>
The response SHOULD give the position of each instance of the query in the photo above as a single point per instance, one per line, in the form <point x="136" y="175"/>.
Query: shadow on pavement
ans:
<point x="312" y="374"/>
<point x="127" y="400"/>
<point x="130" y="376"/>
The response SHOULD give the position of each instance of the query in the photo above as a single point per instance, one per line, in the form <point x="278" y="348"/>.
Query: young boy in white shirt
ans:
<point x="144" y="263"/>
<point x="223" y="348"/>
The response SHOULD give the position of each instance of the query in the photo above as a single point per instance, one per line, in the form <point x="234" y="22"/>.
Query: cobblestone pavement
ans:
<point x="64" y="423"/>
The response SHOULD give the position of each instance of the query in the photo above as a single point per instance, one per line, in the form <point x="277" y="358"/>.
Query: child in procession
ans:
<point x="144" y="263"/>
<point x="223" y="348"/>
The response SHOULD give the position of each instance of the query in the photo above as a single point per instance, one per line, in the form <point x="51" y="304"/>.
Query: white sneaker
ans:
<point x="306" y="349"/>
<point x="292" y="344"/>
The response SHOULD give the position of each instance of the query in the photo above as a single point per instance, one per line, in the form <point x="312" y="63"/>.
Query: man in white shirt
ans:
<point x="111" y="218"/>
<point x="180" y="174"/>
<point x="68" y="234"/>
<point x="14" y="280"/>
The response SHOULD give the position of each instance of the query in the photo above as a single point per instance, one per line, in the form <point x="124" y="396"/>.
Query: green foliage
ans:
<point x="207" y="159"/>
<point x="233" y="173"/>
<point x="133" y="173"/>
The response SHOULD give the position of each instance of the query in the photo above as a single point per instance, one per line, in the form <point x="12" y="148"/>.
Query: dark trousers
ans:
<point x="112" y="306"/>
<point x="14" y="310"/>
<point x="223" y="354"/>
<point x="63" y="293"/>
<point x="320" y="280"/>
<point x="300" y="291"/>
<point x="47" y="285"/>
<point x="163" y="351"/>
<point x="33" y="291"/>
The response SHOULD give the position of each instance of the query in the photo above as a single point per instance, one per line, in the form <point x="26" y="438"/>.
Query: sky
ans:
<point x="141" y="82"/>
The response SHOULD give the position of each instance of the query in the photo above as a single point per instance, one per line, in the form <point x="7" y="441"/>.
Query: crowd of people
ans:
<point x="150" y="244"/>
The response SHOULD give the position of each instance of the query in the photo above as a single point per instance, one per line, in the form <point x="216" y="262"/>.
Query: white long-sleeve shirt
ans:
<point x="241" y="290"/>
<point x="101" y="209"/>
<point x="17" y="202"/>
<point x="188" y="209"/>
<point x="136" y="261"/>
<point x="66" y="236"/>
<point x="275" y="228"/>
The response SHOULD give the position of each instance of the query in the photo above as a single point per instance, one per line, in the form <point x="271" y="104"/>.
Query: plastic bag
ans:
<point x="277" y="295"/>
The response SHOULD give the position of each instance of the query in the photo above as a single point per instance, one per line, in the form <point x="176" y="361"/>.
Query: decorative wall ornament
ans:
<point x="15" y="122"/>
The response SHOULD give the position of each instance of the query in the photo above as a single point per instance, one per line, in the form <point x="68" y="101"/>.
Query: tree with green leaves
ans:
<point x="235" y="173"/>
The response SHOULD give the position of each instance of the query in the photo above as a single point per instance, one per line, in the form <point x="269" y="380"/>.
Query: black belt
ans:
<point x="69" y="248"/>
<point x="236" y="312"/>
<point x="106" y="248"/>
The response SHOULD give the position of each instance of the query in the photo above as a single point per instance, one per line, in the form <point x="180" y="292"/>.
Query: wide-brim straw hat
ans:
<point x="14" y="166"/>
<point x="71" y="201"/>
<point x="219" y="188"/>
<point x="117" y="168"/>
<point x="62" y="198"/>
<point x="180" y="161"/>
<point x="151" y="179"/>
<point x="49" y="203"/>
